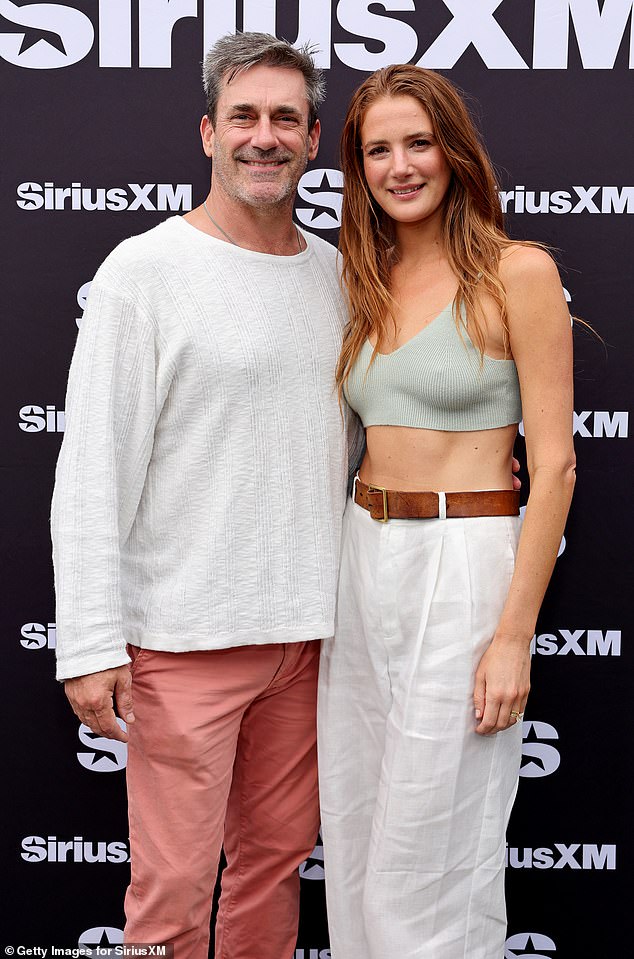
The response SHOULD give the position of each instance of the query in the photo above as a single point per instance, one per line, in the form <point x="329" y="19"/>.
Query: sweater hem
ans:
<point x="170" y="643"/>
<point x="85" y="665"/>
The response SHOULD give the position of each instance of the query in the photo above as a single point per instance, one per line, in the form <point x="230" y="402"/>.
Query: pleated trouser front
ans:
<point x="414" y="802"/>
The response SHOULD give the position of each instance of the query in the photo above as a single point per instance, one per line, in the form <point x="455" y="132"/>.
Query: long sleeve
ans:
<point x="110" y="420"/>
<point x="200" y="409"/>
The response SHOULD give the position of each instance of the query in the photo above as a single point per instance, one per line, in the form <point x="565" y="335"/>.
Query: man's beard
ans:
<point x="235" y="188"/>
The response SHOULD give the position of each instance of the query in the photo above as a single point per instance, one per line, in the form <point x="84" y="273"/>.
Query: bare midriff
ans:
<point x="407" y="458"/>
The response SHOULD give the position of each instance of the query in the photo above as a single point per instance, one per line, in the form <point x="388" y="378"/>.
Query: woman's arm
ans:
<point x="541" y="342"/>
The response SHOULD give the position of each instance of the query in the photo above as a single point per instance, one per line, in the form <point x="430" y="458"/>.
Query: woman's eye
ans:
<point x="422" y="143"/>
<point x="375" y="151"/>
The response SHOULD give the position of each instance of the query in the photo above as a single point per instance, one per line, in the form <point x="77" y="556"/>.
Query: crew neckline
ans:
<point x="240" y="250"/>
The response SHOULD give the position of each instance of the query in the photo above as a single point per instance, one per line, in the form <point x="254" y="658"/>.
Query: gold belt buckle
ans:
<point x="380" y="489"/>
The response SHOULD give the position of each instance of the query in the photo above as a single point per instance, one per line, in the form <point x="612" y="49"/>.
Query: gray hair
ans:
<point x="236" y="52"/>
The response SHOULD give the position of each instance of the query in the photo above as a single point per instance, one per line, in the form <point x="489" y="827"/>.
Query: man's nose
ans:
<point x="264" y="136"/>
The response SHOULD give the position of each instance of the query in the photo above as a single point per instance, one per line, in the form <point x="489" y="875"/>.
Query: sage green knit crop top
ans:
<point x="436" y="381"/>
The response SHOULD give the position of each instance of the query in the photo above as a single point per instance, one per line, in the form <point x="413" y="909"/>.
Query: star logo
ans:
<point x="31" y="35"/>
<point x="313" y="867"/>
<point x="323" y="191"/>
<point x="100" y="754"/>
<point x="43" y="36"/>
<point x="524" y="944"/>
<point x="105" y="938"/>
<point x="33" y="636"/>
<point x="31" y="855"/>
<point x="31" y="412"/>
<point x="538" y="758"/>
<point x="103" y="755"/>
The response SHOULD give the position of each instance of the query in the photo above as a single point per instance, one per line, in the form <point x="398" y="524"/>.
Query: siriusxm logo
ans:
<point x="523" y="945"/>
<point x="601" y="423"/>
<point x="579" y="642"/>
<point x="539" y="758"/>
<point x="82" y="297"/>
<point x="579" y="199"/>
<point x="323" y="190"/>
<point x="131" y="197"/>
<point x="575" y="856"/>
<point x="313" y="867"/>
<point x="598" y="424"/>
<point x="35" y="419"/>
<point x="38" y="636"/>
<point x="102" y="938"/>
<point x="102" y="755"/>
<point x="312" y="954"/>
<point x="77" y="849"/>
<point x="43" y="36"/>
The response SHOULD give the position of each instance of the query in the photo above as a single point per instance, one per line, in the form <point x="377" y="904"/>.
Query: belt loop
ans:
<point x="442" y="506"/>
<point x="354" y="485"/>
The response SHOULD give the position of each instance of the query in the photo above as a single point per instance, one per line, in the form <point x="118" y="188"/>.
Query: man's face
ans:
<point x="261" y="143"/>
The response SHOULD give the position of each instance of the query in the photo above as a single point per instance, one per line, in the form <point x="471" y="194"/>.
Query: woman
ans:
<point x="455" y="332"/>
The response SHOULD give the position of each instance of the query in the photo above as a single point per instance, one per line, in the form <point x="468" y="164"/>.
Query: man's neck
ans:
<point x="262" y="229"/>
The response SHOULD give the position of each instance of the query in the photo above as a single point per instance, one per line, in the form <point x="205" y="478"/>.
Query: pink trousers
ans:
<point x="222" y="753"/>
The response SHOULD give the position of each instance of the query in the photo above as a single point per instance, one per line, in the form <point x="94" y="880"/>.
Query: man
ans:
<point x="196" y="519"/>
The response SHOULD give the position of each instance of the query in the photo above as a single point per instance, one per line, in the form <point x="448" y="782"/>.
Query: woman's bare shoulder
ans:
<point x="521" y="264"/>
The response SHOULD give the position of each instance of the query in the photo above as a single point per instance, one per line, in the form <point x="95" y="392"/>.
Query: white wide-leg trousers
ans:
<point x="414" y="802"/>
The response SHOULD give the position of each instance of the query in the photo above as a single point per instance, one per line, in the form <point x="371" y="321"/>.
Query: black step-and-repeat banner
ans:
<point x="101" y="101"/>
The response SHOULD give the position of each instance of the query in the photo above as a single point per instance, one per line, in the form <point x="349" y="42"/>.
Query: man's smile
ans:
<point x="263" y="164"/>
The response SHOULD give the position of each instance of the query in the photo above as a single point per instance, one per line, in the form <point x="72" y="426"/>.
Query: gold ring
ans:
<point x="517" y="714"/>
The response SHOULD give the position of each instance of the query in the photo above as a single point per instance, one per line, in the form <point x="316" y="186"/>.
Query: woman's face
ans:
<point x="405" y="168"/>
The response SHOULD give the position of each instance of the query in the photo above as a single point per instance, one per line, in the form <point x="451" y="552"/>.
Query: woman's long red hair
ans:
<point x="472" y="232"/>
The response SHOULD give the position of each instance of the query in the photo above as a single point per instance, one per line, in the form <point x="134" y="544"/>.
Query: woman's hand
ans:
<point x="515" y="466"/>
<point x="541" y="344"/>
<point x="502" y="684"/>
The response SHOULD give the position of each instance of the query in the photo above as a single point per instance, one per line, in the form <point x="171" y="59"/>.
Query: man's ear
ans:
<point x="313" y="140"/>
<point x="207" y="135"/>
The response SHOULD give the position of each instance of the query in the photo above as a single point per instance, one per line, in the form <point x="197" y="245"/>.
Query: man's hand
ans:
<point x="93" y="697"/>
<point x="517" y="483"/>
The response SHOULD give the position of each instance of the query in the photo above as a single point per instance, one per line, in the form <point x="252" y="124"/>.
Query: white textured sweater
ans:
<point x="201" y="481"/>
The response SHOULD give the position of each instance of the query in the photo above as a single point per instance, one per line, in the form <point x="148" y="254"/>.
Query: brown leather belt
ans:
<point x="383" y="504"/>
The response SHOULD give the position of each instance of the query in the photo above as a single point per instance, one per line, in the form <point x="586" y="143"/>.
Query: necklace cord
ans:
<point x="233" y="242"/>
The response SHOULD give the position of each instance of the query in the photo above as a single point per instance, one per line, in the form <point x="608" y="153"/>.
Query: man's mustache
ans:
<point x="263" y="157"/>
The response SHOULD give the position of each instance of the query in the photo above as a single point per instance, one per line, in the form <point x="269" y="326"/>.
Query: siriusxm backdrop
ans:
<point x="101" y="105"/>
